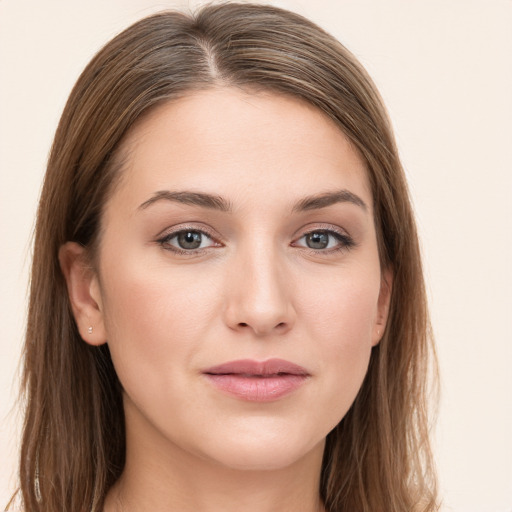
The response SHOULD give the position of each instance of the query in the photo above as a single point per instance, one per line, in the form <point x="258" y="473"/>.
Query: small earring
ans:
<point x="89" y="330"/>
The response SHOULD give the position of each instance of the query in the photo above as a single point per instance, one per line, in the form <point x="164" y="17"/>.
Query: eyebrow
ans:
<point x="216" y="202"/>
<point x="210" y="201"/>
<point x="317" y="201"/>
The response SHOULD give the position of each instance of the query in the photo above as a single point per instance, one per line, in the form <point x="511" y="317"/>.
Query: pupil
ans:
<point x="317" y="240"/>
<point x="189" y="240"/>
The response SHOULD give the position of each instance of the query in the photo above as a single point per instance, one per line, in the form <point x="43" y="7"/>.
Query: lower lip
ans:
<point x="257" y="389"/>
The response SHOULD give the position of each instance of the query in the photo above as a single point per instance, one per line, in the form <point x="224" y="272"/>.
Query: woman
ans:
<point x="227" y="305"/>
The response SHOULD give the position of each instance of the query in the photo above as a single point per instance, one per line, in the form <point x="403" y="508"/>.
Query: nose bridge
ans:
<point x="259" y="297"/>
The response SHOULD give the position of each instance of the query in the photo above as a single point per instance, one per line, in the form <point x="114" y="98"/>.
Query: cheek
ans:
<point x="340" y="320"/>
<point x="155" y="319"/>
<point x="342" y="310"/>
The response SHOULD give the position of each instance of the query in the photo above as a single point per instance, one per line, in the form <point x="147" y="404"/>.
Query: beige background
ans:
<point x="444" y="69"/>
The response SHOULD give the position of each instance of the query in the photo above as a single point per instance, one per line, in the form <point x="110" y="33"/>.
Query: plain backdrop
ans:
<point x="444" y="70"/>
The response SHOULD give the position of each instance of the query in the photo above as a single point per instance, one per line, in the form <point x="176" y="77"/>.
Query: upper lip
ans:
<point x="249" y="367"/>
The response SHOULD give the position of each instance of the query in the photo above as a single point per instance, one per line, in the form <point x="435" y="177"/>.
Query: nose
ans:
<point x="259" y="294"/>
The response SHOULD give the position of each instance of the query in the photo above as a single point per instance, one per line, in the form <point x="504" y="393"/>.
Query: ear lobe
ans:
<point x="386" y="287"/>
<point x="84" y="293"/>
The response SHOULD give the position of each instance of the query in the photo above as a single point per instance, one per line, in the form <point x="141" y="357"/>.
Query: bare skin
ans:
<point x="242" y="229"/>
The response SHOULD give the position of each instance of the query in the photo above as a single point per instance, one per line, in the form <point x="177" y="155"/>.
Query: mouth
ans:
<point x="257" y="381"/>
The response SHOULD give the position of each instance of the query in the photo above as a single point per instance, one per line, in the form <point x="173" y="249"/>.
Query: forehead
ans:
<point x="227" y="141"/>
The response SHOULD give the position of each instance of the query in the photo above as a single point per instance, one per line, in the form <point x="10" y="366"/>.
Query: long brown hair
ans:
<point x="73" y="447"/>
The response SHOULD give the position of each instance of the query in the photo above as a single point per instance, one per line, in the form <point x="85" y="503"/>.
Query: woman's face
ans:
<point x="241" y="233"/>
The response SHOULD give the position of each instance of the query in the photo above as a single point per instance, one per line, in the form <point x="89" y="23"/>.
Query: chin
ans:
<point x="264" y="453"/>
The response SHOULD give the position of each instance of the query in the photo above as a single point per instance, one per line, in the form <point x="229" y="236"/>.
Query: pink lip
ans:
<point x="257" y="381"/>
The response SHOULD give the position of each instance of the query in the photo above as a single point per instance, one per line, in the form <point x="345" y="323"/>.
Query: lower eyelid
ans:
<point x="345" y="242"/>
<point x="164" y="241"/>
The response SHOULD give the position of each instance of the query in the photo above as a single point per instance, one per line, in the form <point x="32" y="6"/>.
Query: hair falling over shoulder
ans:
<point x="378" y="457"/>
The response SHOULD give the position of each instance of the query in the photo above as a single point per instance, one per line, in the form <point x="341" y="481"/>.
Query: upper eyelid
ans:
<point x="175" y="230"/>
<point x="164" y="241"/>
<point x="345" y="241"/>
<point x="341" y="237"/>
<point x="214" y="235"/>
<point x="321" y="226"/>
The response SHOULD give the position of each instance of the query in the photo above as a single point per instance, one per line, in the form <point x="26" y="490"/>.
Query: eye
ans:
<point x="187" y="240"/>
<point x="324" y="240"/>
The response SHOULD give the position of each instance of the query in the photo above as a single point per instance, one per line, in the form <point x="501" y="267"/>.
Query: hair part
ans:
<point x="73" y="447"/>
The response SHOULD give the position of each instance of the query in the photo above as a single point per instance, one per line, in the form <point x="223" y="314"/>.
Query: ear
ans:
<point x="84" y="293"/>
<point x="386" y="286"/>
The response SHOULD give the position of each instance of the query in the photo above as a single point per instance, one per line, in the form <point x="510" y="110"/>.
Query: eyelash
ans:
<point x="345" y="242"/>
<point x="164" y="241"/>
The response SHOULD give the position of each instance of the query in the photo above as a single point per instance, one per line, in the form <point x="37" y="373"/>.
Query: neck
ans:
<point x="160" y="476"/>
